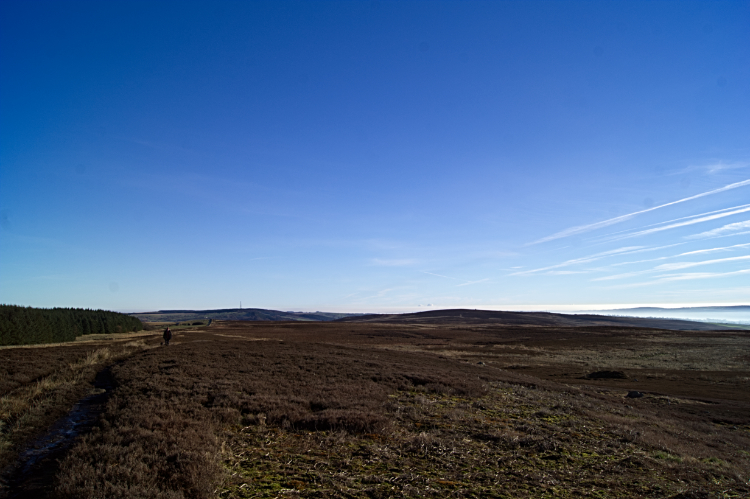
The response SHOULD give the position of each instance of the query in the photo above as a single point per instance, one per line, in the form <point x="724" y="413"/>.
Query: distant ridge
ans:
<point x="465" y="316"/>
<point x="236" y="314"/>
<point x="455" y="316"/>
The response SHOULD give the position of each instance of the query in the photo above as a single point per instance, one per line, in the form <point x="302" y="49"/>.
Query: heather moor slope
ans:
<point x="347" y="410"/>
<point x="235" y="314"/>
<point x="545" y="319"/>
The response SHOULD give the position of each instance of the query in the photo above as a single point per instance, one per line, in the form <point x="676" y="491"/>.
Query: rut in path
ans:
<point x="39" y="462"/>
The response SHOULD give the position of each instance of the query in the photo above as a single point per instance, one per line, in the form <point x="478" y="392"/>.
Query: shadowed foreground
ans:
<point x="378" y="410"/>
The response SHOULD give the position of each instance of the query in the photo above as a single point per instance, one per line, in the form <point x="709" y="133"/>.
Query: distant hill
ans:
<point x="462" y="316"/>
<point x="236" y="314"/>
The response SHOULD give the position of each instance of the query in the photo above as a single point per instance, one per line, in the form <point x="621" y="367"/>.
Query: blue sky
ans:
<point x="374" y="156"/>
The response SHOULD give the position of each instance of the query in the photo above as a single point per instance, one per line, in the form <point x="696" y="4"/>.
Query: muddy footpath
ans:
<point x="32" y="476"/>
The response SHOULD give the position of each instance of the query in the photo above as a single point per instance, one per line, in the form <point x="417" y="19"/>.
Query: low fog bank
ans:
<point x="731" y="315"/>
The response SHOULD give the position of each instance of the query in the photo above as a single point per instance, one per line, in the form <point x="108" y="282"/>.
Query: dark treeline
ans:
<point x="28" y="325"/>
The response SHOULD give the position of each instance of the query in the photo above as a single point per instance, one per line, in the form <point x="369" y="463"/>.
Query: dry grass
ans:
<point x="171" y="403"/>
<point x="42" y="388"/>
<point x="296" y="415"/>
<point x="513" y="442"/>
<point x="704" y="353"/>
<point x="350" y="410"/>
<point x="666" y="351"/>
<point x="89" y="338"/>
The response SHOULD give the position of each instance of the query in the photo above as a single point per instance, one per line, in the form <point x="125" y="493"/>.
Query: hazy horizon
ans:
<point x="374" y="156"/>
<point x="530" y="308"/>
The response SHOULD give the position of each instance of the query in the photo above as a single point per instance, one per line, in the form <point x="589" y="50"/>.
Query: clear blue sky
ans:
<point x="372" y="156"/>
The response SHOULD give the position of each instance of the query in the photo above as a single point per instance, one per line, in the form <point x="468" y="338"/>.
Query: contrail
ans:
<point x="721" y="230"/>
<point x="606" y="236"/>
<point x="473" y="282"/>
<point x="464" y="283"/>
<point x="445" y="276"/>
<point x="696" y="252"/>
<point x="605" y="223"/>
<point x="680" y="224"/>
<point x="585" y="259"/>
<point x="700" y="275"/>
<point x="670" y="267"/>
<point x="681" y="277"/>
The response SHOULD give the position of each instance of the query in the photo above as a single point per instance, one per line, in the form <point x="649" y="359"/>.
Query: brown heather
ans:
<point x="40" y="384"/>
<point x="373" y="410"/>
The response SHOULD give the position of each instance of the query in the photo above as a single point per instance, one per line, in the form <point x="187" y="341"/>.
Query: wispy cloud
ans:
<point x="711" y="250"/>
<point x="668" y="267"/>
<point x="380" y="293"/>
<point x="605" y="223"/>
<point x="473" y="282"/>
<point x="687" y="276"/>
<point x="699" y="275"/>
<point x="394" y="262"/>
<point x="606" y="236"/>
<point x="721" y="166"/>
<point x="681" y="224"/>
<point x="726" y="229"/>
<point x="440" y="275"/>
<point x="735" y="234"/>
<point x="687" y="253"/>
<point x="628" y="250"/>
<point x="685" y="265"/>
<point x="710" y="168"/>
<point x="463" y="283"/>
<point x="623" y="275"/>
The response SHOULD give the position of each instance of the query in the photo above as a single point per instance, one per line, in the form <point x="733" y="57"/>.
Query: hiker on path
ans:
<point x="167" y="335"/>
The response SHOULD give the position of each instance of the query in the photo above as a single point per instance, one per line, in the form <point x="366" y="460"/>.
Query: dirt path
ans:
<point x="38" y="463"/>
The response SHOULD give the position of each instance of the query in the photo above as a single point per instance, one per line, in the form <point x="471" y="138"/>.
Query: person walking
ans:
<point x="167" y="335"/>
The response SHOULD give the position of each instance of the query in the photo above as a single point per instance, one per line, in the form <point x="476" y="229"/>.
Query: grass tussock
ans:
<point x="511" y="442"/>
<point x="162" y="453"/>
<point x="172" y="403"/>
<point x="40" y="385"/>
<point x="349" y="411"/>
<point x="219" y="416"/>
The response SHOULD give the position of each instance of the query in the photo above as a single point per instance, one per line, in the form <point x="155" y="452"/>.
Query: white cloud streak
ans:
<point x="720" y="231"/>
<point x="473" y="282"/>
<point x="699" y="275"/>
<point x="585" y="259"/>
<point x="443" y="276"/>
<point x="711" y="250"/>
<point x="668" y="267"/>
<point x="464" y="283"/>
<point x="685" y="265"/>
<point x="606" y="236"/>
<point x="394" y="262"/>
<point x="687" y="253"/>
<point x="735" y="234"/>
<point x="688" y="276"/>
<point x="628" y="250"/>
<point x="720" y="166"/>
<point x="681" y="224"/>
<point x="605" y="223"/>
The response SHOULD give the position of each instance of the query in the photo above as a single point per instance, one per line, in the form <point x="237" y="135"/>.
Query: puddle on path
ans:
<point x="39" y="462"/>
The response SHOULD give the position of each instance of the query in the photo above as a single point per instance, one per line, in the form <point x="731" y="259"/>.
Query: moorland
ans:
<point x="236" y="314"/>
<point x="366" y="408"/>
